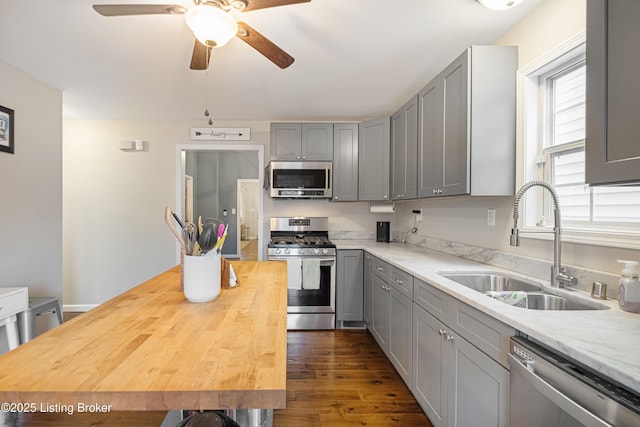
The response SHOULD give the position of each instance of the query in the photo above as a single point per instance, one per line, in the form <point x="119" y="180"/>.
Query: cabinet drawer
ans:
<point x="402" y="281"/>
<point x="431" y="299"/>
<point x="381" y="269"/>
<point x="13" y="302"/>
<point x="488" y="334"/>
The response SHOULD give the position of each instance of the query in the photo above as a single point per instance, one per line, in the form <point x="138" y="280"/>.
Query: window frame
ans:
<point x="532" y="156"/>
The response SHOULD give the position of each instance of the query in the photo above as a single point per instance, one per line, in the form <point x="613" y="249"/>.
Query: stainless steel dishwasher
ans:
<point x="551" y="391"/>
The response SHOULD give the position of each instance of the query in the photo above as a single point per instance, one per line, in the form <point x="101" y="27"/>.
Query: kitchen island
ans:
<point x="151" y="349"/>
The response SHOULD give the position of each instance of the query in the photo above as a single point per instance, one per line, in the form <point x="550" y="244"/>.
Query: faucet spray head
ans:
<point x="515" y="237"/>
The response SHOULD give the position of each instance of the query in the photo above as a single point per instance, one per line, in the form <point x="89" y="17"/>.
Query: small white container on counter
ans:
<point x="629" y="297"/>
<point x="202" y="277"/>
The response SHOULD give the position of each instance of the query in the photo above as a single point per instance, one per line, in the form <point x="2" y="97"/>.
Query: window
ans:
<point x="554" y="152"/>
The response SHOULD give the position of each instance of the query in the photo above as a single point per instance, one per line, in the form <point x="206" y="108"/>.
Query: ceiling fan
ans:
<point x="212" y="25"/>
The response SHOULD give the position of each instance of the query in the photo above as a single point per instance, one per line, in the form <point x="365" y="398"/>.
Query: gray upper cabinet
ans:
<point x="302" y="141"/>
<point x="430" y="108"/>
<point x="466" y="126"/>
<point x="404" y="149"/>
<point x="345" y="162"/>
<point x="373" y="157"/>
<point x="286" y="141"/>
<point x="612" y="152"/>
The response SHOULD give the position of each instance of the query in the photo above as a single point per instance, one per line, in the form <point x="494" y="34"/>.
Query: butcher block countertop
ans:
<point x="151" y="349"/>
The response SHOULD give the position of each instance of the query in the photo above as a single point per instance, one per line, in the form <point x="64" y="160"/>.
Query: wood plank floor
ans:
<point x="342" y="378"/>
<point x="249" y="251"/>
<point x="334" y="378"/>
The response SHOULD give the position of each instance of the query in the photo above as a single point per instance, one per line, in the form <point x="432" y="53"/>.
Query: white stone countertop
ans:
<point x="608" y="340"/>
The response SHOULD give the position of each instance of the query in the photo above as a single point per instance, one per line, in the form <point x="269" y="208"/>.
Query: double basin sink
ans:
<point x="494" y="283"/>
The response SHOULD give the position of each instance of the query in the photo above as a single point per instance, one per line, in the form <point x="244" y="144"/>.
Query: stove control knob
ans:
<point x="316" y="251"/>
<point x="301" y="251"/>
<point x="278" y="251"/>
<point x="286" y="251"/>
<point x="325" y="251"/>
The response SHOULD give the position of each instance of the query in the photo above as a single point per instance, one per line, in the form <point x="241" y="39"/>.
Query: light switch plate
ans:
<point x="491" y="217"/>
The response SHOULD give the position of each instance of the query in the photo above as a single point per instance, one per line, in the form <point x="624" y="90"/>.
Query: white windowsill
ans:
<point x="625" y="240"/>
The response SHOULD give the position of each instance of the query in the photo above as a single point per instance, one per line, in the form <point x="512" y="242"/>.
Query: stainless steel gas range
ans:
<point x="303" y="242"/>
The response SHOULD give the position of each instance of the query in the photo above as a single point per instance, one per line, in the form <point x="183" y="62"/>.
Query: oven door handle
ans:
<point x="554" y="395"/>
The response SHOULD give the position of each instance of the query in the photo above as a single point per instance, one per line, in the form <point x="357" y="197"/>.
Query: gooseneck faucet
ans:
<point x="559" y="278"/>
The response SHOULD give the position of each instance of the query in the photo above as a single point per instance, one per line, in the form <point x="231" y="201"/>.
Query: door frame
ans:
<point x="181" y="150"/>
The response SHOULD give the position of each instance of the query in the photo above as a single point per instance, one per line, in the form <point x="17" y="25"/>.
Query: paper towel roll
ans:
<point x="382" y="207"/>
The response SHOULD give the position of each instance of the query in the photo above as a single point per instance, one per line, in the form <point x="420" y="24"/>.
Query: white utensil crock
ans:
<point x="202" y="277"/>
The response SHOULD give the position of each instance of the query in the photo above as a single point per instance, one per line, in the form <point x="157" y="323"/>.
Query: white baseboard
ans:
<point x="78" y="308"/>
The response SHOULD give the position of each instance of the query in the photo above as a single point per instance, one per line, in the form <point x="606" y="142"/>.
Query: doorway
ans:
<point x="248" y="218"/>
<point x="216" y="170"/>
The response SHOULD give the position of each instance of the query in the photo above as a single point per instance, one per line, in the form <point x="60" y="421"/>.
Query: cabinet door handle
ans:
<point x="450" y="337"/>
<point x="442" y="331"/>
<point x="379" y="268"/>
<point x="399" y="281"/>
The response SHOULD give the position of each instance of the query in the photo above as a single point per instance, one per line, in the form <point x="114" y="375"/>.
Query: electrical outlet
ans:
<point x="491" y="217"/>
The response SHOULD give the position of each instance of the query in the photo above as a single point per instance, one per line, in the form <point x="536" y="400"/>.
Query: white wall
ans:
<point x="464" y="219"/>
<point x="31" y="186"/>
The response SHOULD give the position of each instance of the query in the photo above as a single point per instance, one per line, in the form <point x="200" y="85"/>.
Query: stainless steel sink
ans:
<point x="537" y="299"/>
<point x="487" y="282"/>
<point x="544" y="301"/>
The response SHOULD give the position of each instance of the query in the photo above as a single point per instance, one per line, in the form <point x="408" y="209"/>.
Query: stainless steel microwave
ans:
<point x="299" y="180"/>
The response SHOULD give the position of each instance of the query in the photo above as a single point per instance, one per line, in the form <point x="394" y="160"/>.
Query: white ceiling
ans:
<point x="354" y="59"/>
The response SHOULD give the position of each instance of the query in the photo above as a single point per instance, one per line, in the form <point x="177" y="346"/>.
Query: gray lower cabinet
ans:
<point x="391" y="317"/>
<point x="455" y="383"/>
<point x="430" y="379"/>
<point x="458" y="383"/>
<point x="452" y="356"/>
<point x="368" y="292"/>
<point x="612" y="154"/>
<point x="479" y="389"/>
<point x="345" y="162"/>
<point x="401" y="334"/>
<point x="380" y="311"/>
<point x="373" y="160"/>
<point x="349" y="286"/>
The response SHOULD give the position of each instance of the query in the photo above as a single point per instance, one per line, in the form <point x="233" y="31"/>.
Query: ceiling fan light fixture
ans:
<point x="499" y="4"/>
<point x="212" y="26"/>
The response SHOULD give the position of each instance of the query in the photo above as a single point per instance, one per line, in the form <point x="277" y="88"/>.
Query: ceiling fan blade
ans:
<point x="263" y="4"/>
<point x="138" y="9"/>
<point x="201" y="56"/>
<point x="263" y="45"/>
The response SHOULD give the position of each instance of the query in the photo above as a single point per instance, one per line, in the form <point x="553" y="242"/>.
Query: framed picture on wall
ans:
<point x="6" y="130"/>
